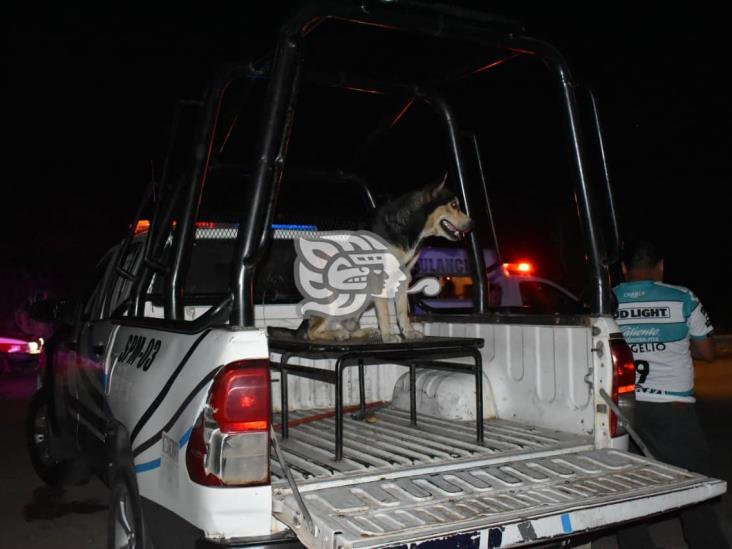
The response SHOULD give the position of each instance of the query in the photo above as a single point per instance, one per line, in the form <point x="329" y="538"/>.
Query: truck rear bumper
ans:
<point x="280" y="541"/>
<point x="169" y="530"/>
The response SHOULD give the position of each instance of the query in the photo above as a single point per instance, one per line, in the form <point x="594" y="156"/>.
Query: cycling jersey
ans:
<point x="657" y="321"/>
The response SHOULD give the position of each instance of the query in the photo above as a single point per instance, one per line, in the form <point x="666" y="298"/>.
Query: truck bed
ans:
<point x="399" y="485"/>
<point x="386" y="445"/>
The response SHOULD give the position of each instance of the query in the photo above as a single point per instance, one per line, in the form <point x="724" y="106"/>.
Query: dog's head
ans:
<point x="445" y="217"/>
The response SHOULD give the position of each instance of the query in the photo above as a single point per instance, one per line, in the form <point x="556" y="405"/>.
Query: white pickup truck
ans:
<point x="167" y="382"/>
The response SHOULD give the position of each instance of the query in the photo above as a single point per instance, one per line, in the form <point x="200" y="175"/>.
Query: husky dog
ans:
<point x="403" y="224"/>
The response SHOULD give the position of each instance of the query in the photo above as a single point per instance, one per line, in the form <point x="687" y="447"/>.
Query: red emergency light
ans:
<point x="518" y="269"/>
<point x="143" y="225"/>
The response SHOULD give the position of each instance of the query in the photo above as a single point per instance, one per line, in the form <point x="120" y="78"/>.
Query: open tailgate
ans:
<point x="492" y="505"/>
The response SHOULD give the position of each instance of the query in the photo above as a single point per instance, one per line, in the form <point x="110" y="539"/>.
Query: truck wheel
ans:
<point x="40" y="441"/>
<point x="125" y="526"/>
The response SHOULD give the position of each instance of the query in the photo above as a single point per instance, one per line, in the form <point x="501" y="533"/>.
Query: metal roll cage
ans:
<point x="285" y="78"/>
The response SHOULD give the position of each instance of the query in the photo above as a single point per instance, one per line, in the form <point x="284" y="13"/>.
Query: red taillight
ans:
<point x="11" y="348"/>
<point x="240" y="397"/>
<point x="10" y="345"/>
<point x="623" y="377"/>
<point x="229" y="444"/>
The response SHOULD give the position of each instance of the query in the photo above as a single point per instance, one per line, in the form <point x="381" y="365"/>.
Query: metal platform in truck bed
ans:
<point x="423" y="353"/>
<point x="386" y="445"/>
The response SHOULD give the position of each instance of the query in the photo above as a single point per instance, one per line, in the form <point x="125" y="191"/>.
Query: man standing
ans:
<point x="666" y="326"/>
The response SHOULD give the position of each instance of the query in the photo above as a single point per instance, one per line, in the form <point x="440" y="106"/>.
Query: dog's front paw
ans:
<point x="413" y="334"/>
<point x="391" y="338"/>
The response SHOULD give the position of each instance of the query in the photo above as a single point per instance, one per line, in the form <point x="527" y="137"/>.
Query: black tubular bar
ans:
<point x="341" y="365"/>
<point x="161" y="218"/>
<point x="281" y="366"/>
<point x="484" y="186"/>
<point x="118" y="267"/>
<point x="185" y="224"/>
<point x="480" y="294"/>
<point x="442" y="365"/>
<point x="601" y="298"/>
<point x="156" y="239"/>
<point x="317" y="374"/>
<point x="434" y="20"/>
<point x="413" y="394"/>
<point x="478" y="357"/>
<point x="254" y="228"/>
<point x="613" y="255"/>
<point x="361" y="389"/>
<point x="284" y="399"/>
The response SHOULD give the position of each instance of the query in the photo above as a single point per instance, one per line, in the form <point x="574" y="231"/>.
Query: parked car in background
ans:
<point x="511" y="285"/>
<point x="19" y="353"/>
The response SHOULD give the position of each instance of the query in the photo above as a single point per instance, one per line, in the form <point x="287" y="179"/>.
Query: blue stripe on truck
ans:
<point x="566" y="523"/>
<point x="147" y="466"/>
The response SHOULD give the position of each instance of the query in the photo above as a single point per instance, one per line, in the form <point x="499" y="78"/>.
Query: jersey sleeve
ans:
<point x="700" y="325"/>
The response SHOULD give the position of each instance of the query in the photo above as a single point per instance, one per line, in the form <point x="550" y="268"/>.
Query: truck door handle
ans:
<point x="98" y="348"/>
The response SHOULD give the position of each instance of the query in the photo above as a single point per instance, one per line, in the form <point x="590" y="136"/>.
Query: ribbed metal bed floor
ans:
<point x="387" y="443"/>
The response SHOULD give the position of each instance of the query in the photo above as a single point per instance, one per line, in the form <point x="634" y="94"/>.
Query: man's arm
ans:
<point x="703" y="349"/>
<point x="700" y="330"/>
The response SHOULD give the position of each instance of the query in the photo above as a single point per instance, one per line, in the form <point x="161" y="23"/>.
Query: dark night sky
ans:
<point x="88" y="96"/>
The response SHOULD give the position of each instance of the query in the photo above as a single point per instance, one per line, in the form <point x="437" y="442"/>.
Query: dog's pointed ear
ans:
<point x="439" y="186"/>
